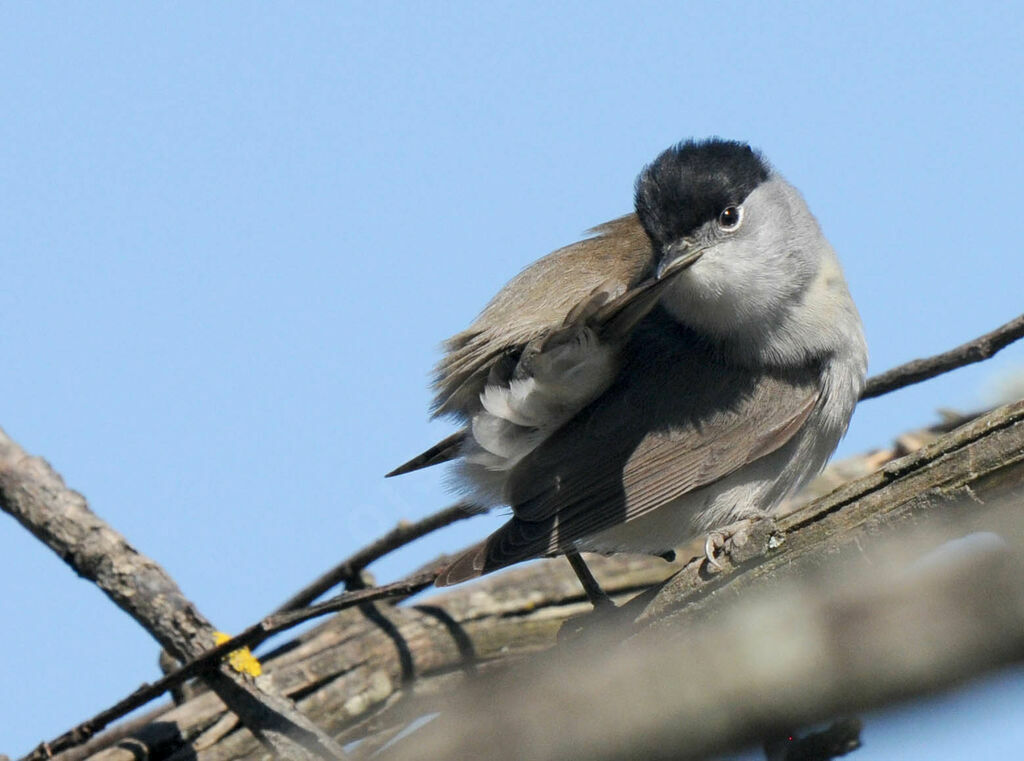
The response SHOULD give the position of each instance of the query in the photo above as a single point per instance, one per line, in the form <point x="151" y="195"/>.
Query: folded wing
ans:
<point x="635" y="448"/>
<point x="538" y="354"/>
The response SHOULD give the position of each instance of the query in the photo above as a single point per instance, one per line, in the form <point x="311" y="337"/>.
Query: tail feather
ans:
<point x="513" y="543"/>
<point x="443" y="451"/>
<point x="471" y="564"/>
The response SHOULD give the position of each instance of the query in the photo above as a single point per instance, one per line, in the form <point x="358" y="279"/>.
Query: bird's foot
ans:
<point x="740" y="541"/>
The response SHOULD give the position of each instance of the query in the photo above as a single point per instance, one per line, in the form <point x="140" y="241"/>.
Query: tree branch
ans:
<point x="364" y="678"/>
<point x="208" y="659"/>
<point x="712" y="661"/>
<point x="918" y="370"/>
<point x="35" y="495"/>
<point x="913" y="372"/>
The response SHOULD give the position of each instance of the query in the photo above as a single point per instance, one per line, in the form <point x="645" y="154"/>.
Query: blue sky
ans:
<point x="233" y="236"/>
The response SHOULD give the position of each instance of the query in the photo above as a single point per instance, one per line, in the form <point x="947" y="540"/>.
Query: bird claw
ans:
<point x="715" y="541"/>
<point x="732" y="539"/>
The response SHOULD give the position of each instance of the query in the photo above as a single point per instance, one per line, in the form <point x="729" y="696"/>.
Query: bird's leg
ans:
<point x="597" y="596"/>
<point x="733" y="535"/>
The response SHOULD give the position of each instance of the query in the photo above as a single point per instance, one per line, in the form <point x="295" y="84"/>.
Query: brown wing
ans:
<point x="678" y="418"/>
<point x="610" y="315"/>
<point x="598" y="274"/>
<point x="618" y="257"/>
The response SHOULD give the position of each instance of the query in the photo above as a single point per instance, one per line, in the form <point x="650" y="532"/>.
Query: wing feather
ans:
<point x="526" y="316"/>
<point x="635" y="448"/>
<point x="527" y="308"/>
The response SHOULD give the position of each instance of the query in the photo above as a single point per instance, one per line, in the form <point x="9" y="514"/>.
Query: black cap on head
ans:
<point x="691" y="183"/>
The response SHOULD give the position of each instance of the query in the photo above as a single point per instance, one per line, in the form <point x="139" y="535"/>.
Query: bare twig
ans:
<point x="899" y="377"/>
<point x="278" y="622"/>
<point x="35" y="495"/>
<point x="348" y="570"/>
<point x="207" y="660"/>
<point x="104" y="737"/>
<point x="511" y="615"/>
<point x="918" y="370"/>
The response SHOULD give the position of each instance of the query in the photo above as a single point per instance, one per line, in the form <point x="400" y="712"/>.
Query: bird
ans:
<point x="683" y="368"/>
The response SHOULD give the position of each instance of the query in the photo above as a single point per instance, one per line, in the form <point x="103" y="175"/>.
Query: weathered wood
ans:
<point x="367" y="671"/>
<point x="368" y="659"/>
<point x="817" y="615"/>
<point x="35" y="495"/>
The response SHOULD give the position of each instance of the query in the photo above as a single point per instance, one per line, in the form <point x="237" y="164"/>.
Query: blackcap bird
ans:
<point x="686" y="367"/>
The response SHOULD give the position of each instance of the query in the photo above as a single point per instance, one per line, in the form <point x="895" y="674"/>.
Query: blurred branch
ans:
<point x="363" y="678"/>
<point x="981" y="348"/>
<point x="35" y="495"/>
<point x="207" y="659"/>
<point x="713" y="661"/>
<point x="794" y="656"/>
<point x="536" y="590"/>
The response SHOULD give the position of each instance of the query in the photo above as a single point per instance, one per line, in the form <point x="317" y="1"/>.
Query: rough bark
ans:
<point x="368" y="671"/>
<point x="35" y="495"/>
<point x="906" y="581"/>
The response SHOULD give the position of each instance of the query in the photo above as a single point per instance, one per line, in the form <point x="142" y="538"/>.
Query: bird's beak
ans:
<point x="678" y="259"/>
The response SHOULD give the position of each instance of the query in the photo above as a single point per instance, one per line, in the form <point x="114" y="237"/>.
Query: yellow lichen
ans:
<point x="241" y="660"/>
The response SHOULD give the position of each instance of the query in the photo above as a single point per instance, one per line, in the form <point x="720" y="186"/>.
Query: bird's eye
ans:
<point x="730" y="217"/>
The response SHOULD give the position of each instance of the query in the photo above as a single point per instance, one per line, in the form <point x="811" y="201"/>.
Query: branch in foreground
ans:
<point x="808" y="650"/>
<point x="279" y="622"/>
<point x="35" y="495"/>
<point x="363" y="679"/>
<point x="209" y="659"/>
<point x="918" y="370"/>
<point x="805" y="639"/>
<point x="904" y="375"/>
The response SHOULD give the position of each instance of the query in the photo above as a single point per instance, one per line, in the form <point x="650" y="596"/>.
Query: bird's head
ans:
<point x="748" y="239"/>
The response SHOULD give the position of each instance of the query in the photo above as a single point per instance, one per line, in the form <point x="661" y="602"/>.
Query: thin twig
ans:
<point x="918" y="370"/>
<point x="211" y="658"/>
<point x="35" y="495"/>
<point x="111" y="735"/>
<point x="348" y="570"/>
<point x="278" y="622"/>
<point x="287" y="616"/>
